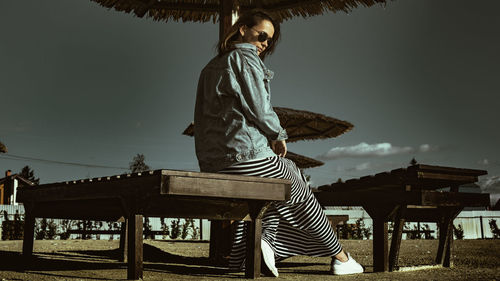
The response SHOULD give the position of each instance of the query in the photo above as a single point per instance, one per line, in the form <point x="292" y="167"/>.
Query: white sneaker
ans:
<point x="348" y="267"/>
<point x="268" y="258"/>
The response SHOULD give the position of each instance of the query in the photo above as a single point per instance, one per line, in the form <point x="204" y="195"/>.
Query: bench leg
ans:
<point x="29" y="234"/>
<point x="380" y="245"/>
<point x="135" y="247"/>
<point x="123" y="242"/>
<point x="253" y="255"/>
<point x="380" y="216"/>
<point x="443" y="256"/>
<point x="397" y="232"/>
<point x="220" y="241"/>
<point x="444" y="238"/>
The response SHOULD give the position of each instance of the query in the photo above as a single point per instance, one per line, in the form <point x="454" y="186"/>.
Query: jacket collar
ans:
<point x="245" y="46"/>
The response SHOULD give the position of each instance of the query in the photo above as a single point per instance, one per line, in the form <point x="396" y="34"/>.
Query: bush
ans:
<point x="147" y="228"/>
<point x="459" y="232"/>
<point x="12" y="230"/>
<point x="494" y="228"/>
<point x="175" y="228"/>
<point x="185" y="228"/>
<point x="427" y="231"/>
<point x="355" y="231"/>
<point x="41" y="229"/>
<point x="52" y="229"/>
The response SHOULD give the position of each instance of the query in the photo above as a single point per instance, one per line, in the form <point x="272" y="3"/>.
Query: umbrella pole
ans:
<point x="227" y="16"/>
<point x="220" y="230"/>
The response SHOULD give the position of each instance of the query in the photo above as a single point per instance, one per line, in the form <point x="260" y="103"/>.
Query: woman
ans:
<point x="237" y="132"/>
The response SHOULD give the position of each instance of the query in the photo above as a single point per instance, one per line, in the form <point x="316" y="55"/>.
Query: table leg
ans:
<point x="135" y="247"/>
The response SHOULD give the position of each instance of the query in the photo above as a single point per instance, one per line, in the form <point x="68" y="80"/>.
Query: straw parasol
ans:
<point x="223" y="10"/>
<point x="302" y="161"/>
<point x="3" y="148"/>
<point x="303" y="125"/>
<point x="306" y="125"/>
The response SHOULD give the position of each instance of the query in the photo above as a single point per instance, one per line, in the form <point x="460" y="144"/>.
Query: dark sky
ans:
<point x="83" y="84"/>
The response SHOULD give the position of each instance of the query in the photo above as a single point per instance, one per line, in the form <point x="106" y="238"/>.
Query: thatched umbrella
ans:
<point x="223" y="10"/>
<point x="306" y="125"/>
<point x="302" y="161"/>
<point x="3" y="148"/>
<point x="303" y="125"/>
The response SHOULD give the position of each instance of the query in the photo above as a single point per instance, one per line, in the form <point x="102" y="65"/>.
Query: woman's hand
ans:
<point x="279" y="147"/>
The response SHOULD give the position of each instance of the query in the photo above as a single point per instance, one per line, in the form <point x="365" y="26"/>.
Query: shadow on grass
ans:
<point x="297" y="264"/>
<point x="155" y="260"/>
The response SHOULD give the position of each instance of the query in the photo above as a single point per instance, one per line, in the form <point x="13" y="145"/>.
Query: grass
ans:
<point x="166" y="260"/>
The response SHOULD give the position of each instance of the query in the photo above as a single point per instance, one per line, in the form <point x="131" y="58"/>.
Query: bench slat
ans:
<point x="222" y="187"/>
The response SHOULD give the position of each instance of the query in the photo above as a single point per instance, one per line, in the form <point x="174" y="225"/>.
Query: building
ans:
<point x="8" y="187"/>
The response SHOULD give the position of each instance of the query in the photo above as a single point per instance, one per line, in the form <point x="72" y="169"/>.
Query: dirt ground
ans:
<point x="164" y="260"/>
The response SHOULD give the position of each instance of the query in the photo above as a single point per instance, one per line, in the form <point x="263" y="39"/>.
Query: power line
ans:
<point x="23" y="158"/>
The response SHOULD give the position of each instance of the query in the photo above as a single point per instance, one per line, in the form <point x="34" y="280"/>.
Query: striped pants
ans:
<point x="296" y="227"/>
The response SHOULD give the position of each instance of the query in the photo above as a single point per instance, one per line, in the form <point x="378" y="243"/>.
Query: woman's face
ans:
<point x="251" y="35"/>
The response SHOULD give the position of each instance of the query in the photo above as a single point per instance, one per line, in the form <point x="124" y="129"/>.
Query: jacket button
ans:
<point x="238" y="157"/>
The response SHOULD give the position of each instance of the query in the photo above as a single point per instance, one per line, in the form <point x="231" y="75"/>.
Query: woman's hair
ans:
<point x="250" y="19"/>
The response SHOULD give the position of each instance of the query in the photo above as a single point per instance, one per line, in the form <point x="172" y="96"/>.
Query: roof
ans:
<point x="208" y="10"/>
<point x="19" y="178"/>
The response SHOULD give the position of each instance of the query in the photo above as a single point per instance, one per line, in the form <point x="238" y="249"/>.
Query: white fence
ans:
<point x="475" y="224"/>
<point x="202" y="226"/>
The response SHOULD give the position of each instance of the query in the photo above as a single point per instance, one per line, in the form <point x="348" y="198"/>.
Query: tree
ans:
<point x="3" y="148"/>
<point x="413" y="161"/>
<point x="28" y="174"/>
<point x="137" y="165"/>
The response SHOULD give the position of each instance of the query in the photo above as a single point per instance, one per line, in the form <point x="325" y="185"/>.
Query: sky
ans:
<point x="83" y="89"/>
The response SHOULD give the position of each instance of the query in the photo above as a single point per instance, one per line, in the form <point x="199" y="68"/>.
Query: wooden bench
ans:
<point x="407" y="194"/>
<point x="160" y="193"/>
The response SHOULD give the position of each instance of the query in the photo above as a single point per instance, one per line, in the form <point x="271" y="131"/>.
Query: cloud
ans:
<point x="359" y="167"/>
<point x="484" y="162"/>
<point x="491" y="185"/>
<point x="365" y="150"/>
<point x="428" y="148"/>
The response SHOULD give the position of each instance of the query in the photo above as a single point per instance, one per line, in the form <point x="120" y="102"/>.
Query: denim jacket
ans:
<point x="233" y="118"/>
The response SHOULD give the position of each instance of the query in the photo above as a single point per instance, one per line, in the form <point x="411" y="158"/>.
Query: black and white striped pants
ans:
<point x="296" y="227"/>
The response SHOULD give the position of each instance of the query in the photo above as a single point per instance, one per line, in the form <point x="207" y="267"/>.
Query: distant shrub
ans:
<point x="427" y="231"/>
<point x="175" y="228"/>
<point x="164" y="228"/>
<point x="357" y="230"/>
<point x="12" y="230"/>
<point x="147" y="229"/>
<point x="459" y="232"/>
<point x="494" y="228"/>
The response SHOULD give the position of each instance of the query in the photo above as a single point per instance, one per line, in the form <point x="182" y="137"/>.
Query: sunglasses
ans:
<point x="263" y="36"/>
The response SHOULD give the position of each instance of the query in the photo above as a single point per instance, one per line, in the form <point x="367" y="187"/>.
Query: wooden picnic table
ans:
<point x="421" y="193"/>
<point x="160" y="193"/>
